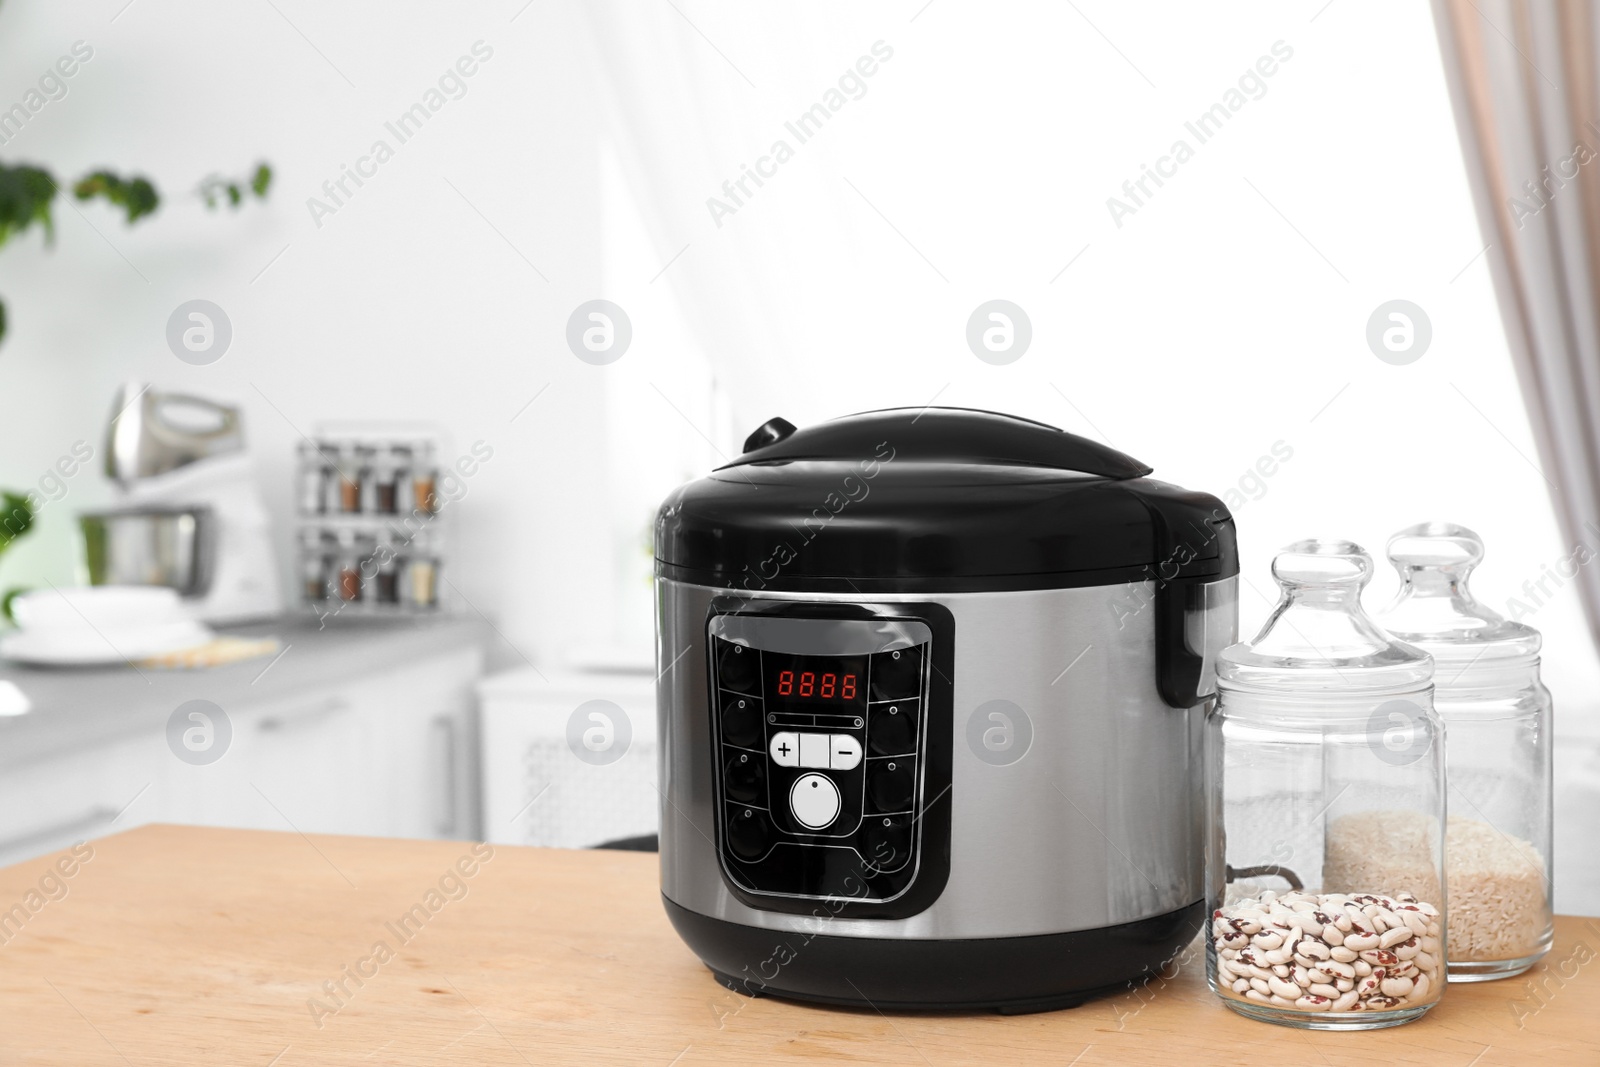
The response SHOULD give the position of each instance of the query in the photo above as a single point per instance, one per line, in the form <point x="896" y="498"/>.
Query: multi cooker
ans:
<point x="932" y="684"/>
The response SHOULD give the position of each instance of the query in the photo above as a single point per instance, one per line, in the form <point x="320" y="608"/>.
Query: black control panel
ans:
<point x="824" y="762"/>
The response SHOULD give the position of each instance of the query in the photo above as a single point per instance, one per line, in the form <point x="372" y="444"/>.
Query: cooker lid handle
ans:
<point x="768" y="433"/>
<point x="948" y="435"/>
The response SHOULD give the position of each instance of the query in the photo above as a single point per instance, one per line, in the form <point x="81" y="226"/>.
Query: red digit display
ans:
<point x="837" y="682"/>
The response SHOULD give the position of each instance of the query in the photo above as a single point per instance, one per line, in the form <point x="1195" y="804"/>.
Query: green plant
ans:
<point x="136" y="195"/>
<point x="27" y="192"/>
<point x="16" y="519"/>
<point x="214" y="187"/>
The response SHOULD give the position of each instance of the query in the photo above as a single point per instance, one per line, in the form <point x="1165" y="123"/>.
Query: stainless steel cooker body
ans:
<point x="1095" y="822"/>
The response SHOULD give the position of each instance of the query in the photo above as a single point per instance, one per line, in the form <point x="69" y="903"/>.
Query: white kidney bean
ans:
<point x="1311" y="946"/>
<point x="1283" y="988"/>
<point x="1396" y="987"/>
<point x="1394" y="936"/>
<point x="1306" y="921"/>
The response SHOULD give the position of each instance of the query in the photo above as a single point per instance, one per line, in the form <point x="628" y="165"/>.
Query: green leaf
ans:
<point x="25" y="196"/>
<point x="16" y="518"/>
<point x="214" y="187"/>
<point x="136" y="195"/>
<point x="7" y="599"/>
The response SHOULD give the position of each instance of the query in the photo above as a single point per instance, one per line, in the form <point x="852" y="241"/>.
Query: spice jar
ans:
<point x="383" y="482"/>
<point x="1487" y="691"/>
<point x="348" y="567"/>
<point x="422" y="575"/>
<point x="350" y="463"/>
<point x="388" y="574"/>
<point x="1325" y="810"/>
<point x="313" y="478"/>
<point x="313" y="567"/>
<point x="424" y="478"/>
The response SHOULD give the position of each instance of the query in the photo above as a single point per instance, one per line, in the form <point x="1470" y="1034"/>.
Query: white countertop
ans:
<point x="73" y="707"/>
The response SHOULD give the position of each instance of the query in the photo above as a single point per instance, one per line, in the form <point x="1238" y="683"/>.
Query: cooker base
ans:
<point x="1011" y="975"/>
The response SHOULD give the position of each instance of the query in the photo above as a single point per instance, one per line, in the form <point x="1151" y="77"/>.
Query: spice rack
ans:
<point x="371" y="536"/>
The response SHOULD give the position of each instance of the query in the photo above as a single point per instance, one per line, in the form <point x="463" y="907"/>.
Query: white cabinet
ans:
<point x="380" y="755"/>
<point x="424" y="744"/>
<point x="537" y="789"/>
<point x="300" y="764"/>
<point x="50" y="804"/>
<point x="389" y="753"/>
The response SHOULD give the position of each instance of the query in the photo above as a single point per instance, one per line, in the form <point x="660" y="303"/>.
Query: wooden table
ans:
<point x="174" y="945"/>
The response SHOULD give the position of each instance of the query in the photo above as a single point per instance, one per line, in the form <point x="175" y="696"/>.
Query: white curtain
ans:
<point x="1522" y="77"/>
<point x="688" y="118"/>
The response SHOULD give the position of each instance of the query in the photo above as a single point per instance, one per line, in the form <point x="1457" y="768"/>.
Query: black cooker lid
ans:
<point x="936" y="500"/>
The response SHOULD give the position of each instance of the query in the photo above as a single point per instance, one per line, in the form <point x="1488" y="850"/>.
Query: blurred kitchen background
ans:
<point x="1213" y="325"/>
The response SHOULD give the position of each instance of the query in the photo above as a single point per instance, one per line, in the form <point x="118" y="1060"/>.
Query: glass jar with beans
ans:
<point x="1325" y="810"/>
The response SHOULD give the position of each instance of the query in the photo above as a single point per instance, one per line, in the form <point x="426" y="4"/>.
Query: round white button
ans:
<point x="814" y="801"/>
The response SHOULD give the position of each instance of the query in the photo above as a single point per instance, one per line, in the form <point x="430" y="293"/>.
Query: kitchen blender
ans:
<point x="191" y="516"/>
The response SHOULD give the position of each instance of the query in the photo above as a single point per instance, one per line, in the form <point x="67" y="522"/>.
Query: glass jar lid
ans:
<point x="1318" y="637"/>
<point x="1436" y="611"/>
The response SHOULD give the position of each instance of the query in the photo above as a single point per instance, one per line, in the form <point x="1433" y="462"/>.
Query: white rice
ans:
<point x="1497" y="907"/>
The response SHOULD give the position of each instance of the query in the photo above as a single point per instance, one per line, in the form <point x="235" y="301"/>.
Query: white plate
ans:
<point x="82" y="646"/>
<point x="104" y="607"/>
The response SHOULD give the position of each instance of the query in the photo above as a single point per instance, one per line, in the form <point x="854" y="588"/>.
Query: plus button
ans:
<point x="784" y="748"/>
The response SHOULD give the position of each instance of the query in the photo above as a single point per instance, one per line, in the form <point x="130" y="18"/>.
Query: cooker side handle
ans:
<point x="1196" y="618"/>
<point x="1196" y="599"/>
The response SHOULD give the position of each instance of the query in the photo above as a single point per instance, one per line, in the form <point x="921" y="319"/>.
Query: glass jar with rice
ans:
<point x="1487" y="691"/>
